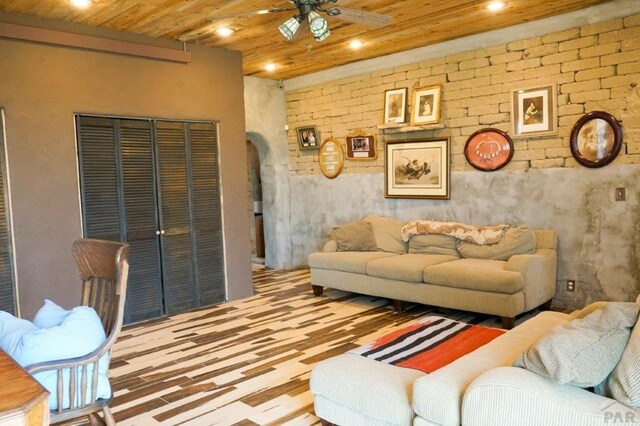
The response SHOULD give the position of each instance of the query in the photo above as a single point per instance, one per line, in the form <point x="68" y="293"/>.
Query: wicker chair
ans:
<point x="103" y="267"/>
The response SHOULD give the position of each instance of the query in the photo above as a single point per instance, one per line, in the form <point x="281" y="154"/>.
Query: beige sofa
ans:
<point x="478" y="389"/>
<point x="436" y="273"/>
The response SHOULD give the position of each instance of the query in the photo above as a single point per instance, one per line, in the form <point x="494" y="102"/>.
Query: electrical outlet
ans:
<point x="620" y="194"/>
<point x="571" y="285"/>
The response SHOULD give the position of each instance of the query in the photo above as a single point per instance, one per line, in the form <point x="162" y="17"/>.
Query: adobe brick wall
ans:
<point x="595" y="67"/>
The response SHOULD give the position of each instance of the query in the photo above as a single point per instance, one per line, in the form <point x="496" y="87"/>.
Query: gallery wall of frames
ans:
<point x="564" y="99"/>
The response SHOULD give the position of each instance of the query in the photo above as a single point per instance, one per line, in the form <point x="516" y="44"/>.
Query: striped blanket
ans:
<point x="428" y="344"/>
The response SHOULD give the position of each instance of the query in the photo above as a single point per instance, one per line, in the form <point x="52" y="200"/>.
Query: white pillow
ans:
<point x="79" y="334"/>
<point x="50" y="315"/>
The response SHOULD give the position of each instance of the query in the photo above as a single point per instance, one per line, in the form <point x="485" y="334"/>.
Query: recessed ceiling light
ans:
<point x="270" y="67"/>
<point x="262" y="12"/>
<point x="494" y="6"/>
<point x="356" y="44"/>
<point x="81" y="4"/>
<point x="224" y="31"/>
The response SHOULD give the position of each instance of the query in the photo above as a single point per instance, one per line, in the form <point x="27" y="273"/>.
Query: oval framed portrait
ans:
<point x="596" y="139"/>
<point x="489" y="149"/>
<point x="331" y="157"/>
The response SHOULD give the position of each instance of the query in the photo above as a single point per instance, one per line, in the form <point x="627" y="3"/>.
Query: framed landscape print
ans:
<point x="418" y="169"/>
<point x="533" y="111"/>
<point x="488" y="149"/>
<point x="307" y="137"/>
<point x="596" y="139"/>
<point x="395" y="105"/>
<point x="426" y="105"/>
<point x="361" y="146"/>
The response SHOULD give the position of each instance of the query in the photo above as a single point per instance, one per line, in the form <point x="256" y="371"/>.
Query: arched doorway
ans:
<point x="255" y="205"/>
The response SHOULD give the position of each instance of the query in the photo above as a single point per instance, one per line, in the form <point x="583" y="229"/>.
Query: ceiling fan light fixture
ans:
<point x="289" y="27"/>
<point x="319" y="26"/>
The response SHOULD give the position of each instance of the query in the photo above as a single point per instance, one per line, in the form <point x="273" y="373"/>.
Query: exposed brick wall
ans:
<point x="594" y="67"/>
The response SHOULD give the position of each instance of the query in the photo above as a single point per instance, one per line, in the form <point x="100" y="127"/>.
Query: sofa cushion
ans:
<point x="355" y="236"/>
<point x="388" y="233"/>
<point x="517" y="240"/>
<point x="408" y="267"/>
<point x="371" y="389"/>
<point x="624" y="382"/>
<point x="433" y="244"/>
<point x="583" y="352"/>
<point x="354" y="261"/>
<point x="475" y="274"/>
<point x="437" y="397"/>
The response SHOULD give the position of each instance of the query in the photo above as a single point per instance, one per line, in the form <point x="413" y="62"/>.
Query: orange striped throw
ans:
<point x="428" y="344"/>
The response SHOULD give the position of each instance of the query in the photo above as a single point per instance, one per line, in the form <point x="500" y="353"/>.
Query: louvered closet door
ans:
<point x="140" y="207"/>
<point x="178" y="276"/>
<point x="7" y="295"/>
<point x="207" y="212"/>
<point x="118" y="200"/>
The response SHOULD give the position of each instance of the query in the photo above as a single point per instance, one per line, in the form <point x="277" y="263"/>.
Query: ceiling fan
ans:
<point x="308" y="16"/>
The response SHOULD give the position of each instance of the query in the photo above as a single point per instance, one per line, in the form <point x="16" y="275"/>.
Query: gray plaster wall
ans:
<point x="598" y="238"/>
<point x="265" y="112"/>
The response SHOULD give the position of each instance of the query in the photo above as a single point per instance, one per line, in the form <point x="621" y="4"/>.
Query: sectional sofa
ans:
<point x="504" y="279"/>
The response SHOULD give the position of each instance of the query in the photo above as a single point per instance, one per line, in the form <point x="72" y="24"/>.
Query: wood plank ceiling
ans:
<point x="416" y="23"/>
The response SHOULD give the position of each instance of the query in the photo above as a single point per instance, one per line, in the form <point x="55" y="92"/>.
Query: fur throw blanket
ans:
<point x="481" y="235"/>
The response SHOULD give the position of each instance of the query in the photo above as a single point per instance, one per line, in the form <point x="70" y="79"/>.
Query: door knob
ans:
<point x="157" y="232"/>
<point x="162" y="232"/>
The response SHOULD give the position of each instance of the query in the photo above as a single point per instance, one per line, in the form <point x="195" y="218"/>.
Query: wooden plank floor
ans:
<point x="247" y="362"/>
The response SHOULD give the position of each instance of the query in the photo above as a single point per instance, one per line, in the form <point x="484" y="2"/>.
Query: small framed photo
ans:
<point x="596" y="139"/>
<point x="361" y="146"/>
<point x="418" y="169"/>
<point x="489" y="149"/>
<point x="395" y="105"/>
<point x="426" y="105"/>
<point x="307" y="137"/>
<point x="533" y="111"/>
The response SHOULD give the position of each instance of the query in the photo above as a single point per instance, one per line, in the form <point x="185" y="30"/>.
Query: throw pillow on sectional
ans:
<point x="516" y="240"/>
<point x="355" y="236"/>
<point x="584" y="351"/>
<point x="388" y="233"/>
<point x="624" y="382"/>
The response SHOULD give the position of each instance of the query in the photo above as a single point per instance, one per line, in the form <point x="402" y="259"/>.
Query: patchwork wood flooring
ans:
<point x="247" y="362"/>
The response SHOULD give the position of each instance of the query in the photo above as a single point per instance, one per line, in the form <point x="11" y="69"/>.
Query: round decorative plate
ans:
<point x="489" y="149"/>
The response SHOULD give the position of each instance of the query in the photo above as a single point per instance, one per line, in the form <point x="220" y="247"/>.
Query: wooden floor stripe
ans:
<point x="248" y="362"/>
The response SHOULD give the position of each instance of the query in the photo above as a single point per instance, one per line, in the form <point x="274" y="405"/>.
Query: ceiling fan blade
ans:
<point x="302" y="29"/>
<point x="369" y="19"/>
<point x="213" y="16"/>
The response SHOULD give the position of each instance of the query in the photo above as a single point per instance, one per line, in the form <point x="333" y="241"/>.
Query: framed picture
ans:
<point x="426" y="105"/>
<point x="489" y="149"/>
<point x="307" y="137"/>
<point x="533" y="111"/>
<point x="331" y="158"/>
<point x="596" y="139"/>
<point x="395" y="105"/>
<point x="418" y="169"/>
<point x="361" y="146"/>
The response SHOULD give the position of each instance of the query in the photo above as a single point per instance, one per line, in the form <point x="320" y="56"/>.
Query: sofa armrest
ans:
<point x="509" y="395"/>
<point x="330" y="246"/>
<point x="539" y="273"/>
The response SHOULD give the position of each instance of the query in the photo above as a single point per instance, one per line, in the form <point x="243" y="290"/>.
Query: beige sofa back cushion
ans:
<point x="546" y="238"/>
<point x="388" y="233"/>
<point x="517" y="240"/>
<point x="355" y="236"/>
<point x="433" y="244"/>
